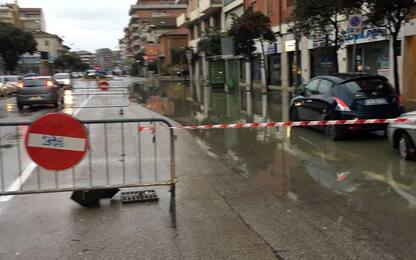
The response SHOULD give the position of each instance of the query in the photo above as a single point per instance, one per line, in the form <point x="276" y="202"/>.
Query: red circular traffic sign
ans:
<point x="56" y="141"/>
<point x="104" y="86"/>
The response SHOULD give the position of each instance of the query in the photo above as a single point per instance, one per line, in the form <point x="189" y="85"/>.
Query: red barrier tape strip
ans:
<point x="290" y="124"/>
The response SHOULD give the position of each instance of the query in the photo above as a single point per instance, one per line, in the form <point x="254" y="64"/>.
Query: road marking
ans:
<point x="16" y="185"/>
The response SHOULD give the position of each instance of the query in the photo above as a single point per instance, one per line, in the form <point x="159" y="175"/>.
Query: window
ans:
<point x="46" y="42"/>
<point x="312" y="87"/>
<point x="325" y="86"/>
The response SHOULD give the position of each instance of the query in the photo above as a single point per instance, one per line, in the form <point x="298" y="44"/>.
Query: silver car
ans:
<point x="403" y="137"/>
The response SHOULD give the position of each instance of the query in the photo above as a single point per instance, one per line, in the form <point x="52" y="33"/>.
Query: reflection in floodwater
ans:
<point x="363" y="173"/>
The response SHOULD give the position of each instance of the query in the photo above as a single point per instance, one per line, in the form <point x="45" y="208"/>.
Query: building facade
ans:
<point x="32" y="19"/>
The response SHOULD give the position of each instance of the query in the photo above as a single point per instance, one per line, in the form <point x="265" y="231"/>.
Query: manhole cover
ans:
<point x="138" y="196"/>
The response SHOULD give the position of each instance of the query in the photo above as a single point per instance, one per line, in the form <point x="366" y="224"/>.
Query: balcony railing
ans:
<point x="209" y="5"/>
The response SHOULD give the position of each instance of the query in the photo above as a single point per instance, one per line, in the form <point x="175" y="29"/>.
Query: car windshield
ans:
<point x="61" y="76"/>
<point x="366" y="86"/>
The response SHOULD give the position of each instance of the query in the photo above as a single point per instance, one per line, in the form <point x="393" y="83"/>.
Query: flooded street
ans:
<point x="360" y="183"/>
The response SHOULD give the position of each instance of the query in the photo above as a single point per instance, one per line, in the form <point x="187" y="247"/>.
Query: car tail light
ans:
<point x="20" y="84"/>
<point x="341" y="105"/>
<point x="48" y="83"/>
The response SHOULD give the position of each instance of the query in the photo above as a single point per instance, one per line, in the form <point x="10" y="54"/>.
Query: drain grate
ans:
<point x="138" y="196"/>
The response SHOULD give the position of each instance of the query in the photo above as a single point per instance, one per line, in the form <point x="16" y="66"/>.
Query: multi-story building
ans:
<point x="170" y="43"/>
<point x="32" y="19"/>
<point x="87" y="58"/>
<point x="105" y="59"/>
<point x="150" y="19"/>
<point x="9" y="13"/>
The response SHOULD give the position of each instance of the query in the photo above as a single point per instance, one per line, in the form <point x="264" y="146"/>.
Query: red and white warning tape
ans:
<point x="289" y="124"/>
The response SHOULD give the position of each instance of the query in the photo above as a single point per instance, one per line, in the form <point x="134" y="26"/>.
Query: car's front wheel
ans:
<point x="334" y="133"/>
<point x="294" y="115"/>
<point x="406" y="148"/>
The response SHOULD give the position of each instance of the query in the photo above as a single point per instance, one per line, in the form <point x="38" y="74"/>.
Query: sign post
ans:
<point x="191" y="74"/>
<point x="56" y="141"/>
<point x="355" y="27"/>
<point x="103" y="85"/>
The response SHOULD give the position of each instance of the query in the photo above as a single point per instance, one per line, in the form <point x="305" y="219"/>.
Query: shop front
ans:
<point x="372" y="54"/>
<point x="274" y="64"/>
<point x="323" y="56"/>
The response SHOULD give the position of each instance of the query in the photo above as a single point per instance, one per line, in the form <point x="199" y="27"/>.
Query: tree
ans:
<point x="210" y="42"/>
<point x="391" y="15"/>
<point x="70" y="62"/>
<point x="325" y="18"/>
<point x="251" y="26"/>
<point x="13" y="43"/>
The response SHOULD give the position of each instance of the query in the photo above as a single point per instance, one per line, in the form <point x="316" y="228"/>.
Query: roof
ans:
<point x="346" y="77"/>
<point x="30" y="10"/>
<point x="42" y="34"/>
<point x="161" y="6"/>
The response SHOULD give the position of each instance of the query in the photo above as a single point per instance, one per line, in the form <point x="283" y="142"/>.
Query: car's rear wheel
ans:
<point x="20" y="106"/>
<point x="406" y="148"/>
<point x="334" y="133"/>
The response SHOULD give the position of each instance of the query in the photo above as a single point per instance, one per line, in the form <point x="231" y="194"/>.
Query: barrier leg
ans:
<point x="173" y="204"/>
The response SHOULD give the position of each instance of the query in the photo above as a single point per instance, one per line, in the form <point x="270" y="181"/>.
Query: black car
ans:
<point x="39" y="91"/>
<point x="346" y="97"/>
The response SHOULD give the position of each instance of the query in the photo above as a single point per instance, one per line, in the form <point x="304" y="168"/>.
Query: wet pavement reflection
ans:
<point x="362" y="175"/>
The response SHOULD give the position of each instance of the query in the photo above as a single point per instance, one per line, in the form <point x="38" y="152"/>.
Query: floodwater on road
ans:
<point x="359" y="177"/>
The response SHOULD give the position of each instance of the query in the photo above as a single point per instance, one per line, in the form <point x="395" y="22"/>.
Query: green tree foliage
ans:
<point x="391" y="15"/>
<point x="70" y="62"/>
<point x="247" y="28"/>
<point x="13" y="43"/>
<point x="324" y="18"/>
<point x="210" y="42"/>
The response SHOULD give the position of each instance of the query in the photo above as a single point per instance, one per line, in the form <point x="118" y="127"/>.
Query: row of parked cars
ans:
<point x="355" y="96"/>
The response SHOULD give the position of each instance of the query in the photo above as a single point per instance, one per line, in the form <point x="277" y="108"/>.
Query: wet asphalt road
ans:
<point x="361" y="176"/>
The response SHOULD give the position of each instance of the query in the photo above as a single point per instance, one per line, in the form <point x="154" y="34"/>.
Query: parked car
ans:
<point x="13" y="80"/>
<point x="90" y="74"/>
<point x="6" y="88"/>
<point x="38" y="91"/>
<point x="183" y="73"/>
<point x="403" y="137"/>
<point x="63" y="79"/>
<point x="345" y="97"/>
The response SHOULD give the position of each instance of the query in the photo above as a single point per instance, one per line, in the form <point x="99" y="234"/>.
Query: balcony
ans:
<point x="194" y="14"/>
<point x="182" y="19"/>
<point x="209" y="5"/>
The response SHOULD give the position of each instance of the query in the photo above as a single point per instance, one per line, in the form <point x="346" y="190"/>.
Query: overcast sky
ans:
<point x="85" y="24"/>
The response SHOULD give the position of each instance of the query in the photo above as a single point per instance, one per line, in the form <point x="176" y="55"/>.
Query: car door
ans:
<point x="317" y="104"/>
<point x="302" y="103"/>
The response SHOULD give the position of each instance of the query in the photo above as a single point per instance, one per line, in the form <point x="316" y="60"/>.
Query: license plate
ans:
<point x="375" y="101"/>
<point x="35" y="98"/>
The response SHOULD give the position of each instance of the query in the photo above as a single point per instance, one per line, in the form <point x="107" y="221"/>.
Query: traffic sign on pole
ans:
<point x="56" y="141"/>
<point x="355" y="24"/>
<point x="103" y="85"/>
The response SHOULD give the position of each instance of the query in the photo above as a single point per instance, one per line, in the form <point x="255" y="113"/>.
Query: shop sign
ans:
<point x="273" y="48"/>
<point x="369" y="35"/>
<point x="290" y="45"/>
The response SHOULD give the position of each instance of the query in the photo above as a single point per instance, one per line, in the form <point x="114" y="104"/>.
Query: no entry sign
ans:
<point x="56" y="141"/>
<point x="104" y="86"/>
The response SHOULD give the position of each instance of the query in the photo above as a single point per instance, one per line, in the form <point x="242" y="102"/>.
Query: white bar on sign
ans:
<point x="56" y="142"/>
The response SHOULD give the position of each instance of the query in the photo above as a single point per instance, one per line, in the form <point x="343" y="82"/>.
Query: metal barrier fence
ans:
<point x="117" y="95"/>
<point x="120" y="156"/>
